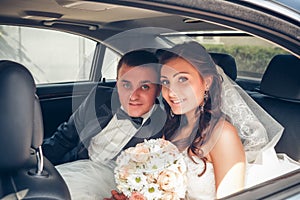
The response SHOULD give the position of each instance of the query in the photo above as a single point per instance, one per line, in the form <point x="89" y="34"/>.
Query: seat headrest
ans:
<point x="17" y="91"/>
<point x="282" y="78"/>
<point x="227" y="63"/>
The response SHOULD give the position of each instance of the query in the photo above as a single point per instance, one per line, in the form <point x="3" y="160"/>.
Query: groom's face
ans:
<point x="137" y="88"/>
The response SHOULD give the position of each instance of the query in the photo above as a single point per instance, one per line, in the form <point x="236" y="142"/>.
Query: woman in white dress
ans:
<point x="215" y="124"/>
<point x="191" y="88"/>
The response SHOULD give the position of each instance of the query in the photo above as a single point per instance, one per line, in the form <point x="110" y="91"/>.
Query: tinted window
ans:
<point x="110" y="62"/>
<point x="51" y="56"/>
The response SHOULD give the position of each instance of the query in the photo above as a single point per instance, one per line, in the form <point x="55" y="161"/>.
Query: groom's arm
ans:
<point x="62" y="141"/>
<point x="66" y="137"/>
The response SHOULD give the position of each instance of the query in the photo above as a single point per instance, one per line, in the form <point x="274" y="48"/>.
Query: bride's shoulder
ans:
<point x="225" y="128"/>
<point x="226" y="135"/>
<point x="223" y="138"/>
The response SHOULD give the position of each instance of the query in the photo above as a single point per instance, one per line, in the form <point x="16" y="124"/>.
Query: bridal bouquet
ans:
<point x="151" y="170"/>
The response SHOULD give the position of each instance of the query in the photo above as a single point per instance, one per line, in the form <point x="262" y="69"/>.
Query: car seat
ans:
<point x="24" y="172"/>
<point x="227" y="63"/>
<point x="279" y="95"/>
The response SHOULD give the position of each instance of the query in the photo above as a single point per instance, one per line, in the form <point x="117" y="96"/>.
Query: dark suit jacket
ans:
<point x="71" y="139"/>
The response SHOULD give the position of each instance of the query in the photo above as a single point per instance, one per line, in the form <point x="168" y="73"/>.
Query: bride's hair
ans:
<point x="197" y="56"/>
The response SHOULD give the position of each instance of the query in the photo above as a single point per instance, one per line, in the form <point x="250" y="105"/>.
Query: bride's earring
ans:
<point x="202" y="108"/>
<point x="205" y="96"/>
<point x="171" y="113"/>
<point x="204" y="101"/>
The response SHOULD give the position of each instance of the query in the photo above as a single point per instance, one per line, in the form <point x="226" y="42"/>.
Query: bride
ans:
<point x="191" y="88"/>
<point x="210" y="120"/>
<point x="227" y="140"/>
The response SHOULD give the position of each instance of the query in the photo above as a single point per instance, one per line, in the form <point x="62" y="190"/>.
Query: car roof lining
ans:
<point x="115" y="18"/>
<point x="223" y="14"/>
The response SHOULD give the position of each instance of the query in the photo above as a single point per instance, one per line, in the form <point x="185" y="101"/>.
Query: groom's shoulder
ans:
<point x="159" y="112"/>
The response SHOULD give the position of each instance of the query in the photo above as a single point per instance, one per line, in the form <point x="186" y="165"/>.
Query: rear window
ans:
<point x="51" y="56"/>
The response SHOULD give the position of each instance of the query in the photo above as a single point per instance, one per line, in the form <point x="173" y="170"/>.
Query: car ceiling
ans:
<point x="86" y="16"/>
<point x="100" y="21"/>
<point x="91" y="12"/>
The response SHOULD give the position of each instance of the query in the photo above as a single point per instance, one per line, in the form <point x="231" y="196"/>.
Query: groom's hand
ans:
<point x="116" y="196"/>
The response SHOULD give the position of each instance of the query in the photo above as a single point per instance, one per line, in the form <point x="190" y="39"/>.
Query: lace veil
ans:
<point x="257" y="129"/>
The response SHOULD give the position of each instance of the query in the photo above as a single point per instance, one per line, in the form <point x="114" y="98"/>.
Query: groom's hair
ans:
<point x="142" y="58"/>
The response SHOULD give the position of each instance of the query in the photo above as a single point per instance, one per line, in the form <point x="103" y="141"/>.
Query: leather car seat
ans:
<point x="279" y="95"/>
<point x="24" y="172"/>
<point x="227" y="63"/>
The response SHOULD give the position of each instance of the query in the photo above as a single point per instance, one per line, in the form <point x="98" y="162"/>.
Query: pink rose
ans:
<point x="125" y="172"/>
<point x="170" y="196"/>
<point x="139" y="154"/>
<point x="164" y="143"/>
<point x="167" y="180"/>
<point x="151" y="178"/>
<point x="136" y="196"/>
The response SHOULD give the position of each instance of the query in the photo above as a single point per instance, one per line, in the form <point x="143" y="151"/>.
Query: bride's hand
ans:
<point x="116" y="196"/>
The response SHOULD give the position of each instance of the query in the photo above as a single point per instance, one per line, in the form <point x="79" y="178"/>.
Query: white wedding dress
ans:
<point x="203" y="187"/>
<point x="90" y="180"/>
<point x="199" y="187"/>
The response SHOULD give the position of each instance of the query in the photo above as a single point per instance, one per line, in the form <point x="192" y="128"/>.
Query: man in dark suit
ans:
<point x="100" y="131"/>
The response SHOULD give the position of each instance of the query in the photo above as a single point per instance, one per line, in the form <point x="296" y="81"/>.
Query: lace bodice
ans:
<point x="202" y="187"/>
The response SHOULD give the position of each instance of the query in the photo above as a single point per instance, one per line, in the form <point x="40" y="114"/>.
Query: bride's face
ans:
<point x="183" y="87"/>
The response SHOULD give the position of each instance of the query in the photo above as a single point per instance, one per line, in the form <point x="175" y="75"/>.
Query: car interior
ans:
<point x="44" y="106"/>
<point x="24" y="171"/>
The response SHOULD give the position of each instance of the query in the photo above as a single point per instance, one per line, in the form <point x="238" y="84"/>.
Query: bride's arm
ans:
<point x="228" y="158"/>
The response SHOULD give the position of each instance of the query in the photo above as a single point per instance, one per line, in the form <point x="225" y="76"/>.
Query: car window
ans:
<point x="51" y="56"/>
<point x="110" y="62"/>
<point x="251" y="54"/>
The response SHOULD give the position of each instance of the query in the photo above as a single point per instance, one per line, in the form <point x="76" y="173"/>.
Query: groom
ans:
<point x="100" y="132"/>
